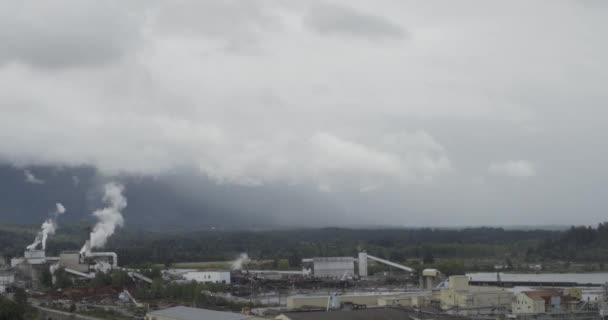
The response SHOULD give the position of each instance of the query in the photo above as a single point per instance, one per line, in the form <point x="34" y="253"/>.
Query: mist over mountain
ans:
<point x="171" y="201"/>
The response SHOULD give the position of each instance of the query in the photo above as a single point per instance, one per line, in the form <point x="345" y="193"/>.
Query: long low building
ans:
<point x="368" y="299"/>
<point x="187" y="313"/>
<point x="409" y="300"/>
<point x="365" y="314"/>
<point x="208" y="276"/>
<point x="333" y="267"/>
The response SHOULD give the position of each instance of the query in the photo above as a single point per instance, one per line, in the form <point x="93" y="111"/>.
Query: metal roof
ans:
<point x="186" y="313"/>
<point x="365" y="314"/>
<point x="542" y="294"/>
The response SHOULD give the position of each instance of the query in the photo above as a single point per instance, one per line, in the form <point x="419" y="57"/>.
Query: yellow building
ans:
<point x="370" y="300"/>
<point x="575" y="293"/>
<point x="527" y="303"/>
<point x="548" y="300"/>
<point x="409" y="300"/>
<point x="462" y="298"/>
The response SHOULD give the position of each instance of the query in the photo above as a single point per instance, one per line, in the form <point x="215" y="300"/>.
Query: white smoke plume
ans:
<point x="31" y="178"/>
<point x="109" y="217"/>
<point x="48" y="228"/>
<point x="238" y="263"/>
<point x="54" y="267"/>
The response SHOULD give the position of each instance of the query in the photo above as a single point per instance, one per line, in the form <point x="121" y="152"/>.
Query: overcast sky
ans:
<point x="399" y="112"/>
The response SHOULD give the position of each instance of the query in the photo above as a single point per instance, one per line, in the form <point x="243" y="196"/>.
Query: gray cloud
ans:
<point x="236" y="25"/>
<point x="337" y="19"/>
<point x="66" y="32"/>
<point x="406" y="131"/>
<point x="515" y="168"/>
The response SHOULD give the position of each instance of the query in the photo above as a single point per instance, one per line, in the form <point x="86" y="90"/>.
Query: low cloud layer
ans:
<point x="413" y="108"/>
<point x="66" y="33"/>
<point x="516" y="169"/>
<point x="343" y="20"/>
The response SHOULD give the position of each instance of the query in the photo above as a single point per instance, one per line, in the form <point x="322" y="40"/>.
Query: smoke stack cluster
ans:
<point x="48" y="228"/>
<point x="110" y="217"/>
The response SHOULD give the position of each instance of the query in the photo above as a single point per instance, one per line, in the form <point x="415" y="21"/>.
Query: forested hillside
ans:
<point x="582" y="243"/>
<point x="139" y="246"/>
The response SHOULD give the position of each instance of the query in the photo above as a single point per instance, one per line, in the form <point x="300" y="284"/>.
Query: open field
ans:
<point x="201" y="265"/>
<point x="226" y="265"/>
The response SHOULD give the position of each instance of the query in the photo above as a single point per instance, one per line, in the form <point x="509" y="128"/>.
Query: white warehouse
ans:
<point x="333" y="267"/>
<point x="208" y="276"/>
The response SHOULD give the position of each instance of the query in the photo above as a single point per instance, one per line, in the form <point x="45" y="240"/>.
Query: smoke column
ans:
<point x="238" y="263"/>
<point x="48" y="228"/>
<point x="109" y="217"/>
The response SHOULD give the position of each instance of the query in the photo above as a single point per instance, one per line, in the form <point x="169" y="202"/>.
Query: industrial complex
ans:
<point x="338" y="287"/>
<point x="324" y="285"/>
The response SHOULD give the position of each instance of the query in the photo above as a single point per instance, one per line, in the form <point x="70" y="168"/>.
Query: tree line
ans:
<point x="137" y="247"/>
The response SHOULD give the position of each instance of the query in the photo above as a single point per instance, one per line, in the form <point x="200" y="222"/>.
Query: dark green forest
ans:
<point x="584" y="244"/>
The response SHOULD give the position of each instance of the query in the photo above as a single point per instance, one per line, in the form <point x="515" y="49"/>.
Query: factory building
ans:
<point x="362" y="264"/>
<point x="344" y="267"/>
<point x="417" y="300"/>
<point x="82" y="264"/>
<point x="30" y="257"/>
<point x="546" y="301"/>
<point x="332" y="267"/>
<point x="30" y="267"/>
<point x="7" y="280"/>
<point x="71" y="260"/>
<point x="363" y="314"/>
<point x="430" y="278"/>
<point x="461" y="298"/>
<point x="208" y="276"/>
<point x="367" y="299"/>
<point x="186" y="313"/>
<point x="525" y="302"/>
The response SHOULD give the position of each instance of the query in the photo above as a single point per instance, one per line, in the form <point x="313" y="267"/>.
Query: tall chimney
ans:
<point x="363" y="264"/>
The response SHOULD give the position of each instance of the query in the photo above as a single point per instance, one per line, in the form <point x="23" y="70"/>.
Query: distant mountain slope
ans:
<point x="181" y="200"/>
<point x="29" y="202"/>
<point x="178" y="201"/>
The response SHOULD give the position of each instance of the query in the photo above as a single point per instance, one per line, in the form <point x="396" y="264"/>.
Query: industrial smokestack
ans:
<point x="109" y="217"/>
<point x="48" y="228"/>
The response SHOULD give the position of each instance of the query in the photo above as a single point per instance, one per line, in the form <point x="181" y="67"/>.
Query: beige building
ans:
<point x="370" y="300"/>
<point x="546" y="301"/>
<point x="575" y="293"/>
<point x="462" y="298"/>
<point x="409" y="300"/>
<point x="526" y="303"/>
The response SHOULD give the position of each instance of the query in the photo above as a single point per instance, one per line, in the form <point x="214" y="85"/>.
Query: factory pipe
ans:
<point x="86" y="252"/>
<point x="105" y="254"/>
<point x="392" y="264"/>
